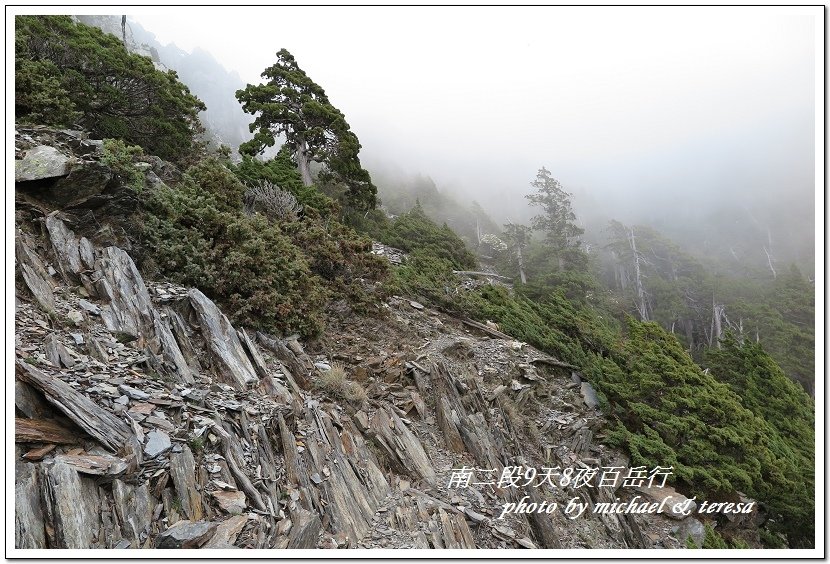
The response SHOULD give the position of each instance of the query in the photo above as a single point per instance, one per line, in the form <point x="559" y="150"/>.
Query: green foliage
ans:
<point x="293" y="105"/>
<point x="40" y="96"/>
<point x="415" y="231"/>
<point x="554" y="325"/>
<point x="199" y="236"/>
<point x="681" y="289"/>
<point x="281" y="171"/>
<point x="788" y="410"/>
<point x="781" y="314"/>
<point x="121" y="158"/>
<point x="772" y="540"/>
<point x="427" y="278"/>
<point x="672" y="412"/>
<point x="197" y="445"/>
<point x="766" y="390"/>
<point x="274" y="275"/>
<point x="373" y="223"/>
<point x="557" y="218"/>
<point x="67" y="73"/>
<point x="711" y="539"/>
<point x="341" y="257"/>
<point x="577" y="283"/>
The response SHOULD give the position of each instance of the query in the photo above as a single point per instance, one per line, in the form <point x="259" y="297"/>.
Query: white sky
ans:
<point x="660" y="104"/>
<point x="610" y="99"/>
<point x="623" y="104"/>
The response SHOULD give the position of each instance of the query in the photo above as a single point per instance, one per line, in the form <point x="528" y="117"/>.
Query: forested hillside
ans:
<point x="704" y="368"/>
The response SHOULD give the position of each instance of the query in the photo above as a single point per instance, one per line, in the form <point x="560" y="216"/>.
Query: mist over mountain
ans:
<point x="536" y="241"/>
<point x="709" y="138"/>
<point x="198" y="69"/>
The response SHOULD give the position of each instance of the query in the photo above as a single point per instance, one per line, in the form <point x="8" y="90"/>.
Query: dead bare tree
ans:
<point x="518" y="237"/>
<point x="769" y="261"/>
<point x="273" y="202"/>
<point x="642" y="303"/>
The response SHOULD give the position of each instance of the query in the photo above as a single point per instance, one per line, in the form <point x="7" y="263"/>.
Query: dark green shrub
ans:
<point x="415" y="231"/>
<point x="121" y="158"/>
<point x="671" y="412"/>
<point x="281" y="171"/>
<point x="40" y="97"/>
<point x="68" y="72"/>
<point x="198" y="236"/>
<point x="427" y="278"/>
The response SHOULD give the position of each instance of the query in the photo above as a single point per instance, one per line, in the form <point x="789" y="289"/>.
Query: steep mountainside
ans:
<point x="144" y="418"/>
<point x="223" y="119"/>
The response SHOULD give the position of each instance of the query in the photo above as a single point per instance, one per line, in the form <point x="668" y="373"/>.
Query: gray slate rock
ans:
<point x="28" y="516"/>
<point x="157" y="443"/>
<point x="90" y="307"/>
<point x="87" y="253"/>
<point x="35" y="274"/>
<point x="306" y="529"/>
<point x="223" y="341"/>
<point x="133" y="393"/>
<point x="41" y="162"/>
<point x="183" y="470"/>
<point x="589" y="396"/>
<point x="118" y="281"/>
<point x="66" y="248"/>
<point x="186" y="534"/>
<point x="134" y="505"/>
<point x="690" y="527"/>
<point x="72" y="505"/>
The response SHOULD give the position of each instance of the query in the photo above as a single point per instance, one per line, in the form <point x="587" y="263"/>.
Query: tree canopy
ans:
<point x="68" y="74"/>
<point x="292" y="105"/>
<point x="557" y="219"/>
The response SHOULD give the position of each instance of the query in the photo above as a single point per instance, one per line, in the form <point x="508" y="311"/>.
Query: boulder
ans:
<point x="183" y="471"/>
<point x="65" y="245"/>
<point x="72" y="507"/>
<point x="589" y="396"/>
<point x="226" y="532"/>
<point x="86" y="184"/>
<point x="232" y="502"/>
<point x="223" y="342"/>
<point x="134" y="506"/>
<point x="186" y="534"/>
<point x="690" y="527"/>
<point x="40" y="163"/>
<point x="157" y="443"/>
<point x="28" y="516"/>
<point x="118" y="281"/>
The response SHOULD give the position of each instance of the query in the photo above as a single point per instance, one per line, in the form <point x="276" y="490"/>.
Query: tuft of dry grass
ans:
<point x="337" y="385"/>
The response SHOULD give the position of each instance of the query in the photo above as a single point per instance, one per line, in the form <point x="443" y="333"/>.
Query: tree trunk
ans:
<point x="690" y="334"/>
<point x="642" y="306"/>
<point x="303" y="161"/>
<point x="769" y="261"/>
<point x="620" y="274"/>
<point x="521" y="264"/>
<point x="717" y="326"/>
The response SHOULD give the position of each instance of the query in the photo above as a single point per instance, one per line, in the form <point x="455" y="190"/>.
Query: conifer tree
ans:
<point x="557" y="219"/>
<point x="292" y="105"/>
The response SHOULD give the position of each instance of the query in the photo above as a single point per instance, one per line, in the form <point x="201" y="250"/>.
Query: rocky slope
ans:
<point x="144" y="418"/>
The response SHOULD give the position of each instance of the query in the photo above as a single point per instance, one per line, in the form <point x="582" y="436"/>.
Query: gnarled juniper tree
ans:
<point x="292" y="105"/>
